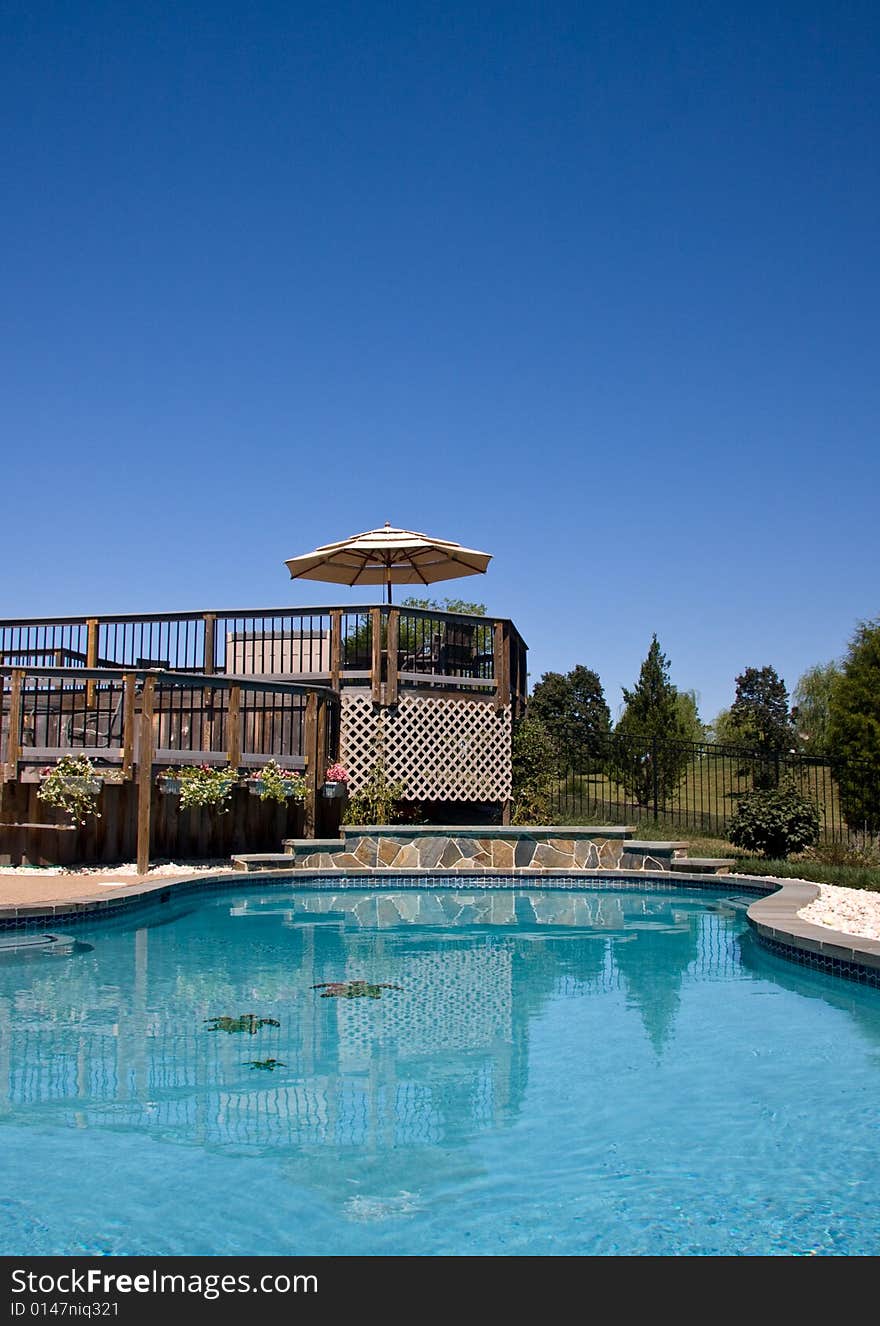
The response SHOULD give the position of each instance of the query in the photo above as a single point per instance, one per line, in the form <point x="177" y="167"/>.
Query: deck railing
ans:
<point x="48" y="712"/>
<point x="382" y="647"/>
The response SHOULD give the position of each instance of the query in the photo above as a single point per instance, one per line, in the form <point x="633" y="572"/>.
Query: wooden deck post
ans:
<point x="13" y="739"/>
<point x="128" y="721"/>
<point x="233" y="727"/>
<point x="501" y="665"/>
<point x="91" y="657"/>
<point x="376" y="637"/>
<point x="210" y="620"/>
<point x="209" y="664"/>
<point x="145" y="775"/>
<point x="313" y="770"/>
<point x="335" y="647"/>
<point x="393" y="638"/>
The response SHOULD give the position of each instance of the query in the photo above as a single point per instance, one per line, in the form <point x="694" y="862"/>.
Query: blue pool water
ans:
<point x="607" y="1071"/>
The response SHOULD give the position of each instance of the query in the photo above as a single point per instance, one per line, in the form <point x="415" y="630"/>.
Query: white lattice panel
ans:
<point x="440" y="748"/>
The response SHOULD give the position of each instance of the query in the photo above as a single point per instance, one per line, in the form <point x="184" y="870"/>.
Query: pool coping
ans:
<point x="773" y="916"/>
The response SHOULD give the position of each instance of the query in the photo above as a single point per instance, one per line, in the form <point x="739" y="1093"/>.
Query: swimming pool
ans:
<point x="613" y="1070"/>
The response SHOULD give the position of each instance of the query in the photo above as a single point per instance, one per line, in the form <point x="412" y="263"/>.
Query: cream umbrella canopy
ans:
<point x="388" y="557"/>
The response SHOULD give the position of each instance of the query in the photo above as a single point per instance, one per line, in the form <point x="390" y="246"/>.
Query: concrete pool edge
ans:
<point x="773" y="916"/>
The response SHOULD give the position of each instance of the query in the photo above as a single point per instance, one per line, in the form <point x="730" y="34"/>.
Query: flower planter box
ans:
<point x="257" y="787"/>
<point x="93" y="785"/>
<point x="169" y="786"/>
<point x="335" y="790"/>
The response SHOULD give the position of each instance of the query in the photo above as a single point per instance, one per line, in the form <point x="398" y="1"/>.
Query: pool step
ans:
<point x="252" y="861"/>
<point x="639" y="855"/>
<point x="702" y="865"/>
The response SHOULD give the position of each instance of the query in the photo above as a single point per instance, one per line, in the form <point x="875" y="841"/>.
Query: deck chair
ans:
<point x="96" y="729"/>
<point x="457" y="653"/>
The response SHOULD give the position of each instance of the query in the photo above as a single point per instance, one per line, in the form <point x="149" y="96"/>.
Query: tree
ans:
<point x="811" y="712"/>
<point x="759" y="715"/>
<point x="760" y="719"/>
<point x="650" y="750"/>
<point x="854" y="729"/>
<point x="574" y="712"/>
<point x="692" y="726"/>
<point x="721" y="730"/>
<point x="534" y="758"/>
<point x="448" y="605"/>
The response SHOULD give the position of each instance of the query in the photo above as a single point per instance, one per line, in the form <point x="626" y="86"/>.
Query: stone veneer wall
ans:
<point x="470" y="849"/>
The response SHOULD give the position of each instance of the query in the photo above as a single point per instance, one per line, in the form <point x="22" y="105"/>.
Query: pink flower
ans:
<point x="337" y="773"/>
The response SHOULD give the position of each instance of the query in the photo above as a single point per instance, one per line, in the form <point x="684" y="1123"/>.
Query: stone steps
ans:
<point x="702" y="865"/>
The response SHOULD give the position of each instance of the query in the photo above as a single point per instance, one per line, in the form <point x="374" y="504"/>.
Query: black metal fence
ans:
<point x="696" y="785"/>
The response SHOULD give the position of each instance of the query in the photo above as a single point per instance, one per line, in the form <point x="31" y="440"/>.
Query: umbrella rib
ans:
<point x="366" y="561"/>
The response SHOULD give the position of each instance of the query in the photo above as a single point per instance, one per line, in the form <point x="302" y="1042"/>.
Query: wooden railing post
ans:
<point x="335" y="647"/>
<point x="13" y="740"/>
<point x="233" y="727"/>
<point x="310" y="743"/>
<point x="502" y="665"/>
<point x="128" y="721"/>
<point x="145" y="774"/>
<point x="320" y="743"/>
<point x="210" y="620"/>
<point x="391" y="655"/>
<point x="91" y="657"/>
<point x="376" y="669"/>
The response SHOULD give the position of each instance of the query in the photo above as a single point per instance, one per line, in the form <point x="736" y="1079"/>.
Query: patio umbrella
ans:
<point x="388" y="557"/>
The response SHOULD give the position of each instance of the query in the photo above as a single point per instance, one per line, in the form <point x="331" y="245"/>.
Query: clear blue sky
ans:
<point x="593" y="287"/>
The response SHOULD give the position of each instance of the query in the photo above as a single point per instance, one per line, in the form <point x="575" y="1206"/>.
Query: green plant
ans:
<point x="759" y="718"/>
<point x="534" y="758"/>
<point x="279" y="784"/>
<point x="647" y="762"/>
<point x="854" y="729"/>
<point x="775" y="821"/>
<point x="574" y="712"/>
<point x="70" y="786"/>
<point x="203" y="785"/>
<point x="374" y="803"/>
<point x="812" y="707"/>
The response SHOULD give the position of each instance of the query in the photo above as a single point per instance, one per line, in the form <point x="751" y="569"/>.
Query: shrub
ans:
<point x="534" y="767"/>
<point x="775" y="821"/>
<point x="375" y="802"/>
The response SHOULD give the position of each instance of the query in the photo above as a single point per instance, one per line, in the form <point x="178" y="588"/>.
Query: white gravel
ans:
<point x="854" y="911"/>
<point x="129" y="868"/>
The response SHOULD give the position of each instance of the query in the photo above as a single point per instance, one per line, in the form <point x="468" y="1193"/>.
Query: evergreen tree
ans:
<point x="760" y="719"/>
<point x="854" y="729"/>
<point x="572" y="708"/>
<point x="759" y="715"/>
<point x="650" y="750"/>
<point x="534" y="766"/>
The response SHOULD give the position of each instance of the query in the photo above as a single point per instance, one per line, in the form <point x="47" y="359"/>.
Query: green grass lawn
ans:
<point x="704" y="800"/>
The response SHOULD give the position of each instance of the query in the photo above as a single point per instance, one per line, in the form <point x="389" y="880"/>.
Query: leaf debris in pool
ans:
<point x="353" y="989"/>
<point x="248" y="1022"/>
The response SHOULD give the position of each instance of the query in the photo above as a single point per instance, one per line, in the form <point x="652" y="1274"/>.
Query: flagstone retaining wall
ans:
<point x="415" y="847"/>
